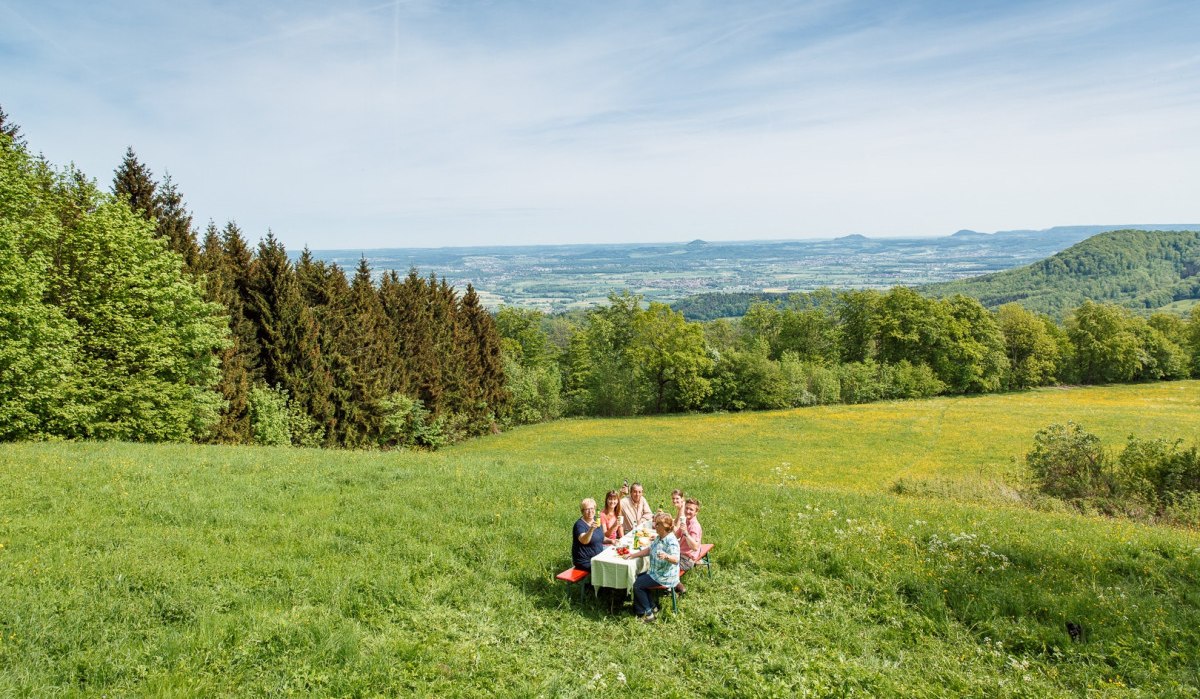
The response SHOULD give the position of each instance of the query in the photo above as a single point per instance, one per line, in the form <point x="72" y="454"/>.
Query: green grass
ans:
<point x="200" y="571"/>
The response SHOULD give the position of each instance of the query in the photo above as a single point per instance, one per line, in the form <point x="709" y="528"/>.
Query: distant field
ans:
<point x="860" y="447"/>
<point x="562" y="277"/>
<point x="1181" y="307"/>
<point x="200" y="571"/>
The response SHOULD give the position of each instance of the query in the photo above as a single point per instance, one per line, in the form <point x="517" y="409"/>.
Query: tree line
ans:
<point x="118" y="322"/>
<point x="824" y="347"/>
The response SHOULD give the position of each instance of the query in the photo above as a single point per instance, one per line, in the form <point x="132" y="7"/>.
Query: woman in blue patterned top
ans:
<point x="664" y="566"/>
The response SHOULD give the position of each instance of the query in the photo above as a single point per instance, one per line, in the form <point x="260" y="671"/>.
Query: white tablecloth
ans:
<point x="610" y="570"/>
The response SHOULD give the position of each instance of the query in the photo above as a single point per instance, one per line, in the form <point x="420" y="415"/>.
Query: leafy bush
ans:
<point x="407" y="423"/>
<point x="748" y="380"/>
<point x="536" y="392"/>
<point x="1066" y="461"/>
<point x="809" y="383"/>
<point x="859" y="382"/>
<point x="269" y="416"/>
<point x="907" y="380"/>
<point x="1150" y="478"/>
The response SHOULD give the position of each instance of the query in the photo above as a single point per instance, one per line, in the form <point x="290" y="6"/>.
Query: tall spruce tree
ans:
<point x="409" y="307"/>
<point x="326" y="292"/>
<point x="288" y="335"/>
<point x="222" y="262"/>
<point x="10" y="133"/>
<point x="397" y="312"/>
<point x="175" y="223"/>
<point x="448" y="348"/>
<point x="369" y="345"/>
<point x="484" y="361"/>
<point x="134" y="183"/>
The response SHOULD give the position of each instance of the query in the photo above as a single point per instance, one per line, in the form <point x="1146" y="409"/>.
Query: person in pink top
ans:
<point x="689" y="533"/>
<point x="610" y="518"/>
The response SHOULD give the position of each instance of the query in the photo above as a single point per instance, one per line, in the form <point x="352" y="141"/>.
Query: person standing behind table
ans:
<point x="689" y="533"/>
<point x="587" y="540"/>
<point x="610" y="518"/>
<point x="635" y="509"/>
<point x="664" y="566"/>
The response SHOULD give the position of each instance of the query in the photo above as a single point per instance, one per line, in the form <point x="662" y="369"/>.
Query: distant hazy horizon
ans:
<point x="752" y="241"/>
<point x="423" y="123"/>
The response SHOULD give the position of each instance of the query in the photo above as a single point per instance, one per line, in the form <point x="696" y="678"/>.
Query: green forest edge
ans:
<point x="121" y="325"/>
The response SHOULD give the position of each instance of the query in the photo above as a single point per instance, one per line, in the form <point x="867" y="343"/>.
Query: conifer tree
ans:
<point x="175" y="223"/>
<point x="409" y="307"/>
<point x="326" y="292"/>
<point x="369" y="345"/>
<point x="288" y="335"/>
<point x="448" y="348"/>
<point x="484" y="361"/>
<point x="12" y="131"/>
<point x="134" y="183"/>
<point x="221" y="270"/>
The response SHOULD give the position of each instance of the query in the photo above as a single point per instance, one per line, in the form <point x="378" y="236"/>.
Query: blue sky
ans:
<point x="392" y="124"/>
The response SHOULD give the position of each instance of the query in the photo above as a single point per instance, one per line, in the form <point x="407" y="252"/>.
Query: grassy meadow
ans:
<point x="178" y="570"/>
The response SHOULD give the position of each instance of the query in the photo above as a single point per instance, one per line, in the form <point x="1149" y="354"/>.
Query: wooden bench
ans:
<point x="574" y="576"/>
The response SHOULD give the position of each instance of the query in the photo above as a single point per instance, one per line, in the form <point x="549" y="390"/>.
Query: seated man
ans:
<point x="588" y="538"/>
<point x="688" y="532"/>
<point x="634" y="509"/>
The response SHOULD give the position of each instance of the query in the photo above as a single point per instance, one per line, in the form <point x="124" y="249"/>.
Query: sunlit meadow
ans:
<point x="200" y="571"/>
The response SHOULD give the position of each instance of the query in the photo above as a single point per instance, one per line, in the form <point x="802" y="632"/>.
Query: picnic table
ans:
<point x="610" y="570"/>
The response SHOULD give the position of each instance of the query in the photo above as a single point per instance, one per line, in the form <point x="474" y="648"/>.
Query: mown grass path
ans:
<point x="200" y="571"/>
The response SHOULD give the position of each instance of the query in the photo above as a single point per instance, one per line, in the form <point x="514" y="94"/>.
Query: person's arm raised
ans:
<point x="586" y="537"/>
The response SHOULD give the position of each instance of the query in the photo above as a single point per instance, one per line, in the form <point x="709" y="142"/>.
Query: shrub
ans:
<point x="808" y="383"/>
<point x="1066" y="461"/>
<point x="408" y="423"/>
<point x="269" y="416"/>
<point x="536" y="392"/>
<point x="907" y="380"/>
<point x="1150" y="478"/>
<point x="859" y="382"/>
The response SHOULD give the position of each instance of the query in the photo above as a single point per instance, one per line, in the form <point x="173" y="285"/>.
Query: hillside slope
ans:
<point x="187" y="570"/>
<point x="1138" y="269"/>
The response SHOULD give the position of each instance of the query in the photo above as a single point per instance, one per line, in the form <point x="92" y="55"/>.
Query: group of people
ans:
<point x="675" y="548"/>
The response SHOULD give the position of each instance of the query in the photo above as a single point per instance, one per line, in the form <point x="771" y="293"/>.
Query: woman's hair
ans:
<point x="585" y="502"/>
<point x="675" y="492"/>
<point x="612" y="495"/>
<point x="664" y="517"/>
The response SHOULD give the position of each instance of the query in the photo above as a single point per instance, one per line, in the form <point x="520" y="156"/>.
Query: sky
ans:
<point x="358" y="124"/>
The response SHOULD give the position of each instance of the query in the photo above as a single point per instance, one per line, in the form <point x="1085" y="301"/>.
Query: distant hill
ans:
<point x="1136" y="268"/>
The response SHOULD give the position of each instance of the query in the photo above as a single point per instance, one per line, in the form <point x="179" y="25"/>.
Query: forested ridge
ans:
<point x="1137" y="269"/>
<point x="119" y="323"/>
